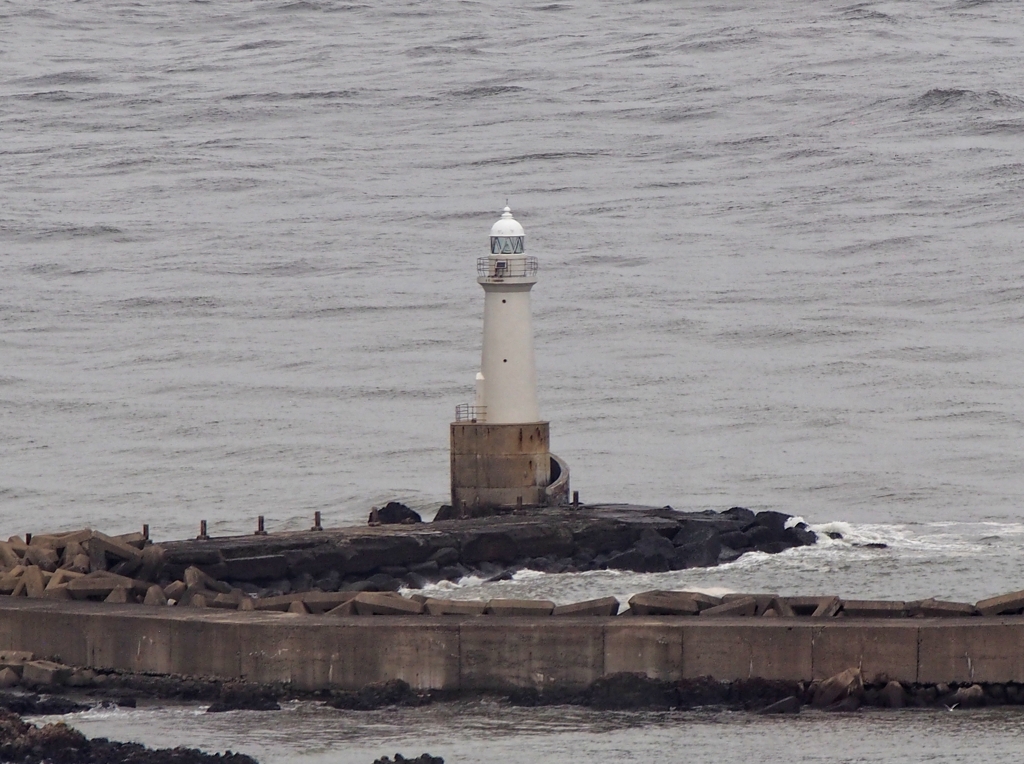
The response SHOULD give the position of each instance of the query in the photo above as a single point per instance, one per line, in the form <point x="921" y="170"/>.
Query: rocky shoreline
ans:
<point x="60" y="744"/>
<point x="847" y="691"/>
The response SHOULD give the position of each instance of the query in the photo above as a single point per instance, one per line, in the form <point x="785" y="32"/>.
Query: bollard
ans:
<point x="316" y="522"/>
<point x="576" y="499"/>
<point x="28" y="538"/>
<point x="259" y="527"/>
<point x="202" y="531"/>
<point x="145" y="531"/>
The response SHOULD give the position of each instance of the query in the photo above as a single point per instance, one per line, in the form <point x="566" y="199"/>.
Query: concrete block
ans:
<point x="883" y="650"/>
<point x="379" y="603"/>
<point x="246" y="604"/>
<point x="8" y="678"/>
<point x="81" y="563"/>
<point x="195" y="576"/>
<point x="118" y="596"/>
<point x="932" y="608"/>
<point x="198" y="600"/>
<point x="62" y="576"/>
<point x="816" y="607"/>
<point x="763" y="601"/>
<point x="134" y="539"/>
<point x="44" y="673"/>
<point x="102" y="583"/>
<point x="317" y="602"/>
<point x="1004" y="604"/>
<point x="59" y="592"/>
<point x="33" y="580"/>
<point x="100" y="543"/>
<point x="971" y="650"/>
<point x="875" y="609"/>
<point x="82" y="678"/>
<point x="605" y="606"/>
<point x="8" y="557"/>
<point x="10" y="580"/>
<point x="648" y="647"/>
<point x="507" y="607"/>
<point x="766" y="648"/>
<point x="893" y="695"/>
<point x="229" y="601"/>
<point x="154" y="557"/>
<point x="155" y="596"/>
<point x="43" y="557"/>
<point x="527" y="652"/>
<point x="175" y="589"/>
<point x="744" y="606"/>
<point x="847" y="683"/>
<point x="346" y="608"/>
<point x="298" y="608"/>
<point x="664" y="603"/>
<point x="434" y="606"/>
<point x="193" y="591"/>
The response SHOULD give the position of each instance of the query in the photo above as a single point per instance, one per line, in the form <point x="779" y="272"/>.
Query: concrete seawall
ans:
<point x="485" y="653"/>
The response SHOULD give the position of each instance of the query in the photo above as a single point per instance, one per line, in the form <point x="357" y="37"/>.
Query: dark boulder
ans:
<point x="735" y="540"/>
<point x="61" y="744"/>
<point x="395" y="692"/>
<point x="697" y="555"/>
<point x="395" y="513"/>
<point x="740" y="515"/>
<point x="446" y="512"/>
<point x="423" y="758"/>
<point x="695" y="533"/>
<point x="384" y="582"/>
<point x="39" y="706"/>
<point x="652" y="553"/>
<point x="627" y="691"/>
<point x="801" y="535"/>
<point x="447" y="555"/>
<point x="241" y="697"/>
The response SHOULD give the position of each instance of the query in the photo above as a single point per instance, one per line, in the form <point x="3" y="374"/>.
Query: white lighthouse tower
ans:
<point x="499" y="446"/>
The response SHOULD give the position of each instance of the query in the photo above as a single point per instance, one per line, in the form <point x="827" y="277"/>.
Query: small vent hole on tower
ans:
<point x="502" y="302"/>
<point x="504" y="360"/>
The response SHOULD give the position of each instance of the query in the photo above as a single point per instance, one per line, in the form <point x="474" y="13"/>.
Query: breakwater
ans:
<point x="591" y="537"/>
<point x="231" y="572"/>
<point x="486" y="653"/>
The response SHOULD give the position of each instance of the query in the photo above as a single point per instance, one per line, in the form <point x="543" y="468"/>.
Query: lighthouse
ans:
<point x="500" y="456"/>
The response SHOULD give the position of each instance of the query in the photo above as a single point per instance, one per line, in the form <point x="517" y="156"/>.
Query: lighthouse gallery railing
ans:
<point x="511" y="267"/>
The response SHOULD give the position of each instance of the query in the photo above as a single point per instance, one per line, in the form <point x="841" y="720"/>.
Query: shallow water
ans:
<point x="781" y="267"/>
<point x="493" y="732"/>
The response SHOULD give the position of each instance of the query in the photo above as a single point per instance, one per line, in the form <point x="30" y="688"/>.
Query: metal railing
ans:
<point x="466" y="412"/>
<point x="506" y="267"/>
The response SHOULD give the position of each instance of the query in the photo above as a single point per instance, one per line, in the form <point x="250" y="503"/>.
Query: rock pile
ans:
<point x="410" y="555"/>
<point x="84" y="564"/>
<point x="60" y="744"/>
<point x="403" y="553"/>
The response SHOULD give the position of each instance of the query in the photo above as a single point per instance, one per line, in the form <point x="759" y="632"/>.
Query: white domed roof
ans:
<point x="507" y="225"/>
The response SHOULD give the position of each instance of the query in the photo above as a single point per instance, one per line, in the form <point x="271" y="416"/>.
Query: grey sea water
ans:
<point x="781" y="267"/>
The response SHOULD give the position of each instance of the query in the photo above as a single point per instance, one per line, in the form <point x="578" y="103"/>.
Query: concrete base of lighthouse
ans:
<point x="502" y="466"/>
